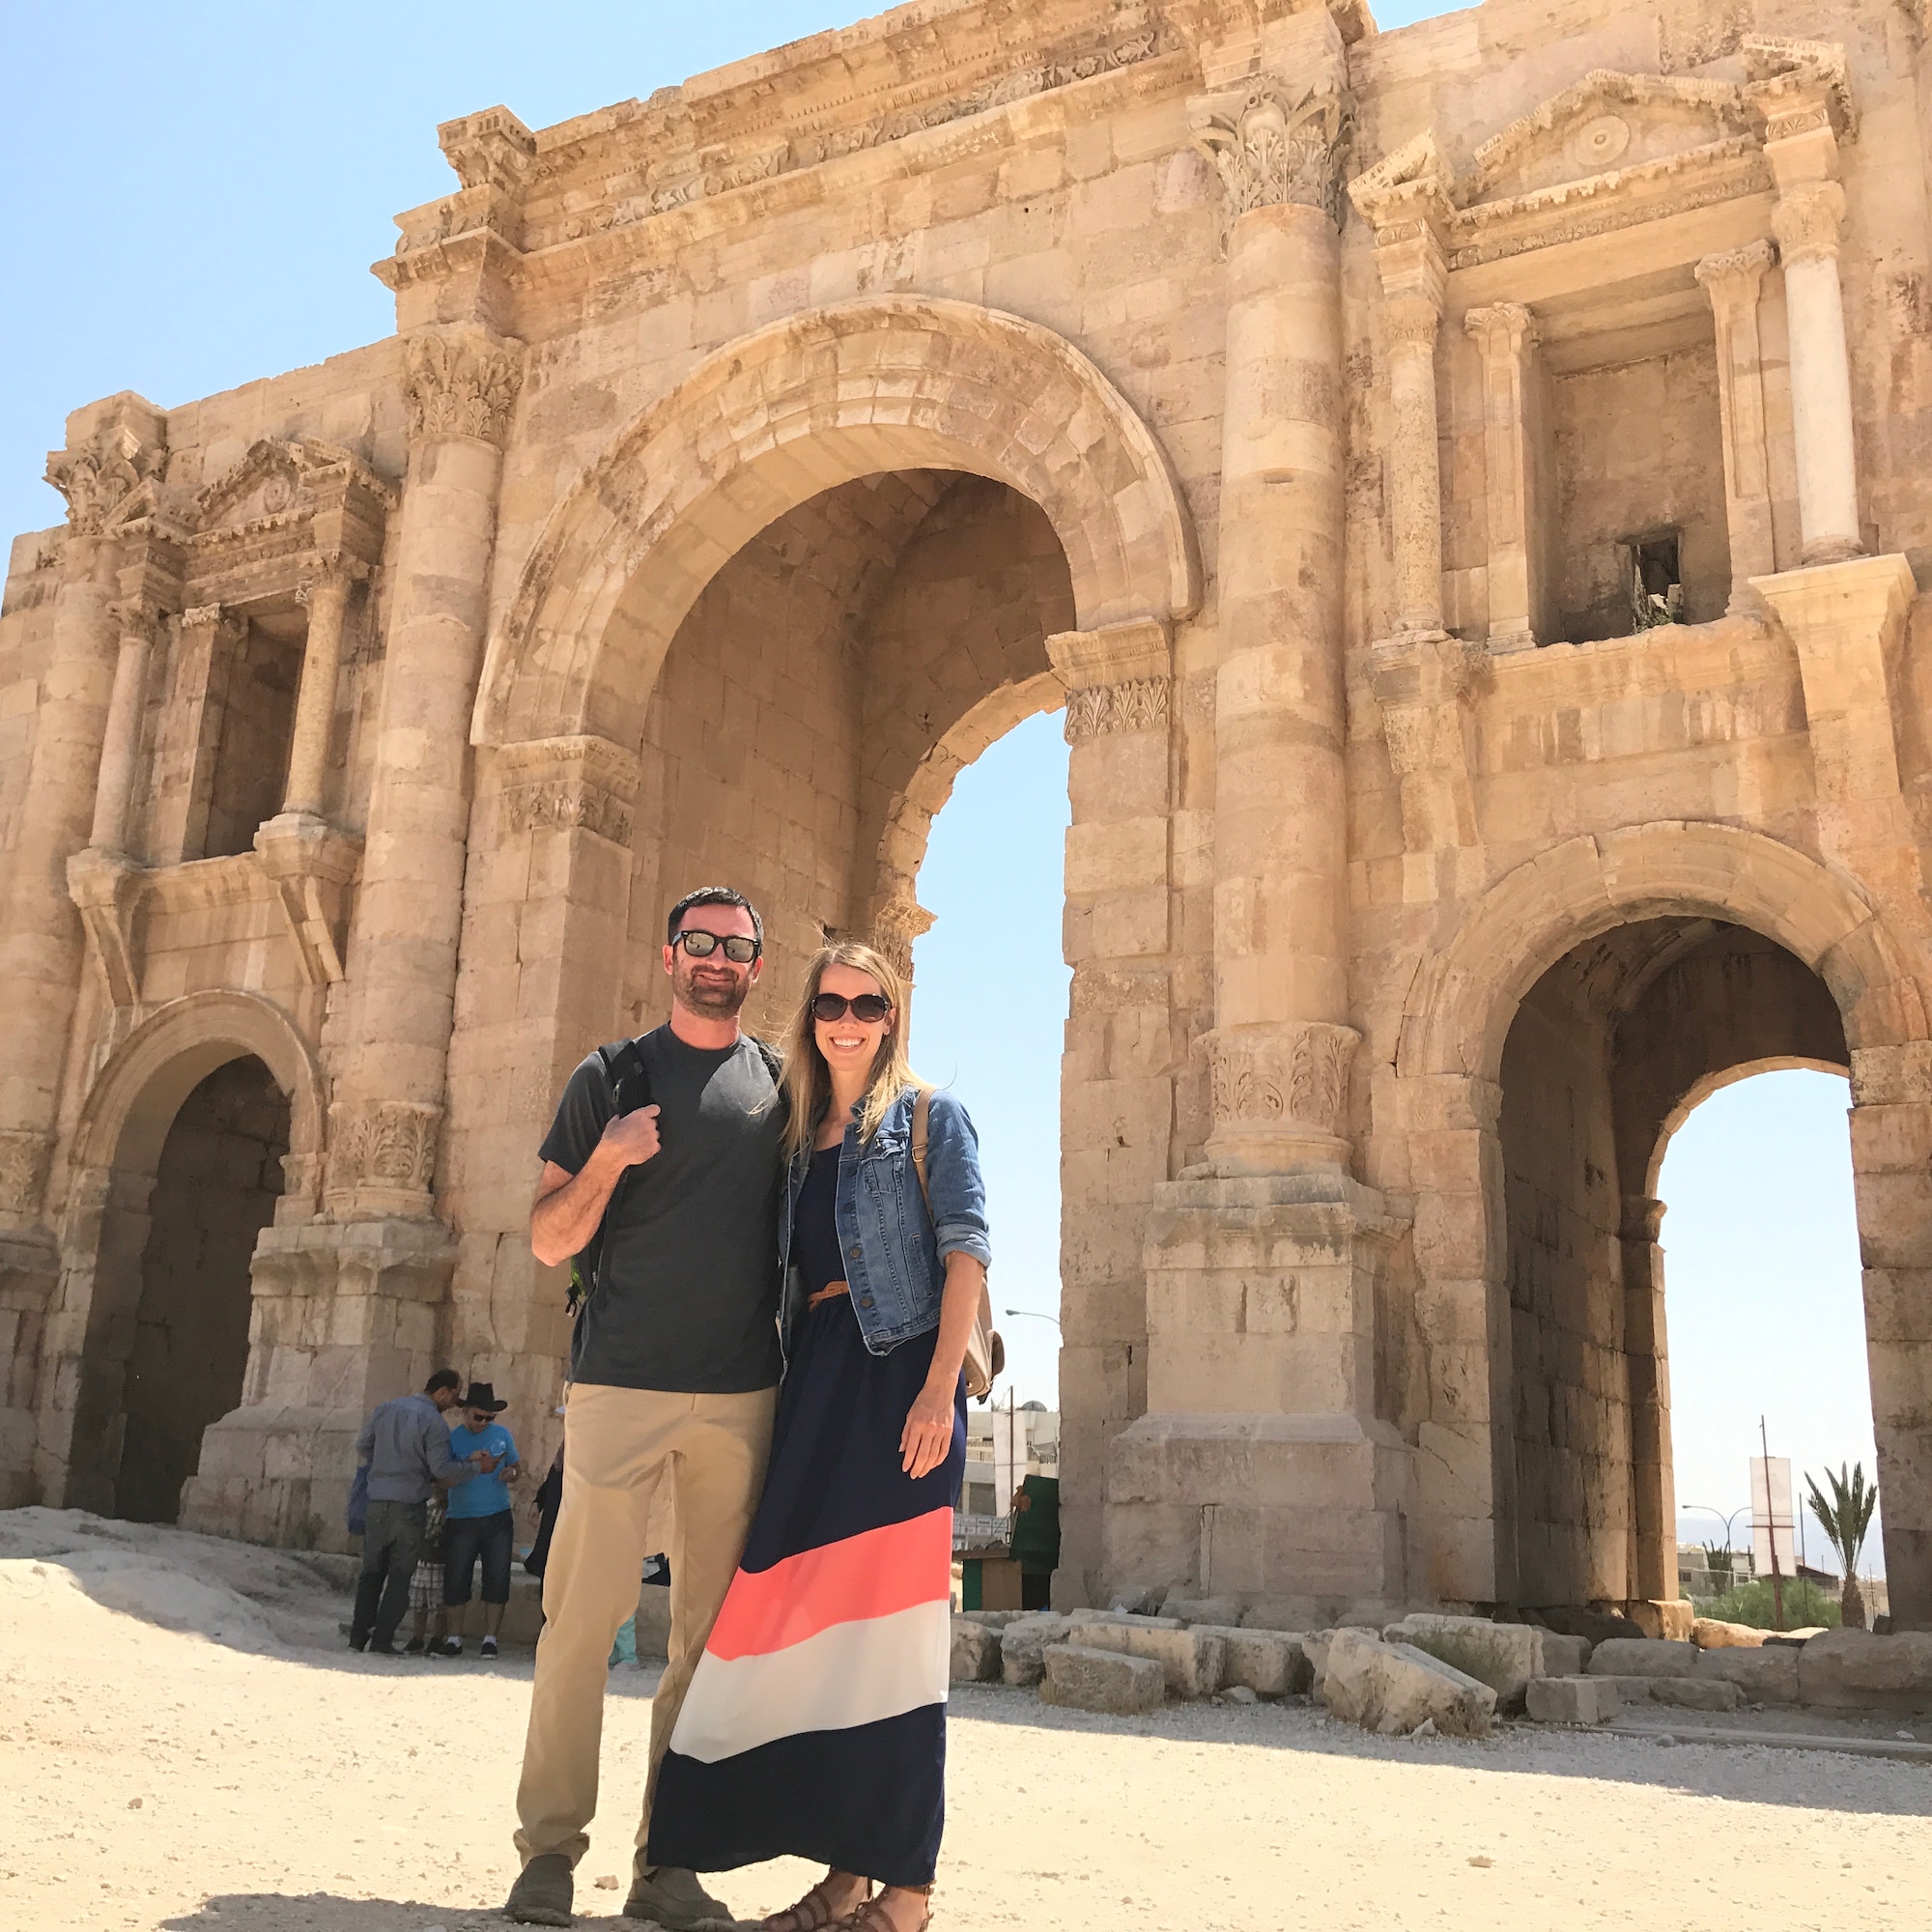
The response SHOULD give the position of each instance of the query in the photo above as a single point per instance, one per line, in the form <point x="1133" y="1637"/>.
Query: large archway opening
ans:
<point x="1606" y="1055"/>
<point x="168" y="1328"/>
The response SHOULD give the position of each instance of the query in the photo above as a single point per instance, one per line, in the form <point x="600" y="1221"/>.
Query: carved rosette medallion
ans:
<point x="558" y="785"/>
<point x="1276" y="144"/>
<point x="1284" y="1088"/>
<point x="1133" y="704"/>
<point x="461" y="384"/>
<point x="387" y="1146"/>
<point x="23" y="1170"/>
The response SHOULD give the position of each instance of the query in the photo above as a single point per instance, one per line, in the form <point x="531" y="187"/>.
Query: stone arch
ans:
<point x="1460" y="1006"/>
<point x="145" y="1080"/>
<point x="1715" y="1083"/>
<point x="883" y="383"/>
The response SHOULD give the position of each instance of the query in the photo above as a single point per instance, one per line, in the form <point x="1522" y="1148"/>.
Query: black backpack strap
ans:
<point x="623" y="1064"/>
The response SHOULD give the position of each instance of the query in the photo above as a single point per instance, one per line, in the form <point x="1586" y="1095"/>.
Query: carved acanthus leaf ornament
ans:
<point x="99" y="478"/>
<point x="1277" y="144"/>
<point x="461" y="384"/>
<point x="1134" y="705"/>
<point x="387" y="1144"/>
<point x="1293" y="1073"/>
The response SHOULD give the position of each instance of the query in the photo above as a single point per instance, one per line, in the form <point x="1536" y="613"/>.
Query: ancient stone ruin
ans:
<point x="1465" y="486"/>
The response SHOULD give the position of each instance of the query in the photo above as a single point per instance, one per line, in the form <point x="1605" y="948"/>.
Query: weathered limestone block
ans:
<point x="1565" y="1656"/>
<point x="1696" y="1694"/>
<point x="1572" y="1700"/>
<point x="1632" y="1689"/>
<point x="1136" y="1619"/>
<point x="1315" y="1647"/>
<point x="1711" y="1633"/>
<point x="1768" y="1675"/>
<point x="1643" y="1657"/>
<point x="1193" y="1660"/>
<point x="975" y="1652"/>
<point x="1394" y="1689"/>
<point x="1272" y="1663"/>
<point x="1021" y="1645"/>
<point x="1079" y="1678"/>
<point x="1503" y="1656"/>
<point x="1221" y="1612"/>
<point x="1853" y="1669"/>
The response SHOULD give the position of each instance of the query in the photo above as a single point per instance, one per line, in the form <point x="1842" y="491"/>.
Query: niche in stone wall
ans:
<point x="1634" y="444"/>
<point x="258" y="714"/>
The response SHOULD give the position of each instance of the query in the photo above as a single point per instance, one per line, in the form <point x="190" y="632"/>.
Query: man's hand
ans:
<point x="485" y="1463"/>
<point x="632" y="1137"/>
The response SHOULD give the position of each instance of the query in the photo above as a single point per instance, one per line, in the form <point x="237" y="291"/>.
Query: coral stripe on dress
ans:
<point x="874" y="1574"/>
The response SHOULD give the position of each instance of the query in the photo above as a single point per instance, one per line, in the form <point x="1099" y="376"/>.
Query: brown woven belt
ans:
<point x="830" y="1290"/>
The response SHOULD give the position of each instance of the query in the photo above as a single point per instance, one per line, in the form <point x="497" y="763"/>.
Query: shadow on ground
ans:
<point x="1811" y="1781"/>
<point x="325" y="1912"/>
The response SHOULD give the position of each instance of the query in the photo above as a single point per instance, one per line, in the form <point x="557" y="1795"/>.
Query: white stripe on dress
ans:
<point x="851" y="1674"/>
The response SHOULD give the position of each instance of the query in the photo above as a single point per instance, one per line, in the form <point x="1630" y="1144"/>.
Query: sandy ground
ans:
<point x="185" y="1743"/>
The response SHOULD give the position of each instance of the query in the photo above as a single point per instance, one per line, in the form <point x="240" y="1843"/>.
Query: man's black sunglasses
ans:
<point x="868" y="1007"/>
<point x="740" y="951"/>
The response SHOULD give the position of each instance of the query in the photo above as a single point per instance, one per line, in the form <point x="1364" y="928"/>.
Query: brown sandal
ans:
<point x="872" y="1915"/>
<point x="814" y="1913"/>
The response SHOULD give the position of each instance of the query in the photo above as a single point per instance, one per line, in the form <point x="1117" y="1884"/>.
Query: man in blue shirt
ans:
<point x="481" y="1522"/>
<point x="406" y="1446"/>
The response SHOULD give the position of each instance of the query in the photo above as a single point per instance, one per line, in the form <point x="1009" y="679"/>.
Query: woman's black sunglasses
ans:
<point x="740" y="951"/>
<point x="868" y="1007"/>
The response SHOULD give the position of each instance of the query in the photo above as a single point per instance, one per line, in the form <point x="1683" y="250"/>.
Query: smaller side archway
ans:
<point x="203" y="1125"/>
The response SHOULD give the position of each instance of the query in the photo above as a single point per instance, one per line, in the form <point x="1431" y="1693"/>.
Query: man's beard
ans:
<point x="713" y="1000"/>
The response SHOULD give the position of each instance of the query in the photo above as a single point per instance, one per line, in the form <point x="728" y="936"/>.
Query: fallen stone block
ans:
<point x="975" y="1652"/>
<point x="1191" y="1662"/>
<point x="1766" y="1676"/>
<point x="1667" y="1619"/>
<point x="1503" y="1656"/>
<point x="1272" y="1663"/>
<point x="1132" y="1619"/>
<point x="1599" y="1626"/>
<point x="1859" y="1670"/>
<point x="1394" y="1689"/>
<point x="1643" y="1657"/>
<point x="1565" y="1656"/>
<point x="1022" y="1643"/>
<point x="995" y="1620"/>
<point x="1220" y="1611"/>
<point x="1713" y="1634"/>
<point x="1631" y="1690"/>
<point x="1696" y="1694"/>
<point x="1572" y="1700"/>
<point x="1315" y="1647"/>
<point x="1080" y="1679"/>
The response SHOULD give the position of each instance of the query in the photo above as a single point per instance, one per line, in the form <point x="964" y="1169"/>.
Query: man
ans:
<point x="675" y="1366"/>
<point x="480" y="1523"/>
<point x="406" y="1444"/>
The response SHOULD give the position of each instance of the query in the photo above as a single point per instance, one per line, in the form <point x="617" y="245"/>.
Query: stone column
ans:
<point x="1647" y="1360"/>
<point x="461" y="385"/>
<point x="114" y="788"/>
<point x="1116" y="1077"/>
<point x="1733" y="282"/>
<point x="328" y="598"/>
<point x="1281" y="1045"/>
<point x="1505" y="335"/>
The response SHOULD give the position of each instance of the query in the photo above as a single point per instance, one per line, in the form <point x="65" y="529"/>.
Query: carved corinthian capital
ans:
<point x="23" y="1171"/>
<point x="1281" y="1093"/>
<point x="1276" y="142"/>
<point x="99" y="478"/>
<point x="461" y="384"/>
<point x="382" y="1152"/>
<point x="1806" y="221"/>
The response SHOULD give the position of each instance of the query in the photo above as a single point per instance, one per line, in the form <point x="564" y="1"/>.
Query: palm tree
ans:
<point x="1846" y="1517"/>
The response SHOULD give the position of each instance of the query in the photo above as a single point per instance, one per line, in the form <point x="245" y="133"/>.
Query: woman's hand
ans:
<point x="927" y="1435"/>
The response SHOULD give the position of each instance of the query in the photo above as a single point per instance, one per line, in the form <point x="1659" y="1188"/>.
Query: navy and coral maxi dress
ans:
<point x="816" y="1722"/>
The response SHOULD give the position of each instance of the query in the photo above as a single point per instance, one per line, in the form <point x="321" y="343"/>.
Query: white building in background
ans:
<point x="1025" y="1441"/>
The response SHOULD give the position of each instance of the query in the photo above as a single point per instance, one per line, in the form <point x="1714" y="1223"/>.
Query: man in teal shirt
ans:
<point x="481" y="1522"/>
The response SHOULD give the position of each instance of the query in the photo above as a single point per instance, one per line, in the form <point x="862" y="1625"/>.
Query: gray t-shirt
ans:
<point x="688" y="1287"/>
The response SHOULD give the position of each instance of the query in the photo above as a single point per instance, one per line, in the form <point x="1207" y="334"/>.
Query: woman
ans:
<point x="815" y="1723"/>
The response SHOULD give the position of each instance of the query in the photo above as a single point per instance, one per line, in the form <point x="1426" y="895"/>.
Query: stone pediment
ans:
<point x="1608" y="124"/>
<point x="293" y="485"/>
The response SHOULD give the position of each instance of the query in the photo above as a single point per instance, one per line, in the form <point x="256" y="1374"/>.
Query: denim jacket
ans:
<point x="894" y="1250"/>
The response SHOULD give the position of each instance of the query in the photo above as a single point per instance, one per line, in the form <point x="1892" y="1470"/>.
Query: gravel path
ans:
<point x="265" y="1780"/>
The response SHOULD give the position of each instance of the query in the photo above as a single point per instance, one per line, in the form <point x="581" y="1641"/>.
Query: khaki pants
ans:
<point x="620" y="1444"/>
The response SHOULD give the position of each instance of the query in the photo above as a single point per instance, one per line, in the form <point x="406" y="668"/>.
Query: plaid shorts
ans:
<point x="426" y="1586"/>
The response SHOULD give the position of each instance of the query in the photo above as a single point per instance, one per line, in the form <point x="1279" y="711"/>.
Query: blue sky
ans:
<point x="192" y="198"/>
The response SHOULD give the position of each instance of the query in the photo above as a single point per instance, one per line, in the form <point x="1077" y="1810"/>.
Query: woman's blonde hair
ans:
<point x="808" y="1080"/>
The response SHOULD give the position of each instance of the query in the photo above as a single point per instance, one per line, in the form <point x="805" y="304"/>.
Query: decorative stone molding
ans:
<point x="101" y="478"/>
<point x="387" y="1145"/>
<point x="1799" y="87"/>
<point x="896" y="924"/>
<point x="1117" y="679"/>
<point x="1286" y="1084"/>
<point x="552" y="785"/>
<point x="24" y="1154"/>
<point x="492" y="148"/>
<point x="104" y="885"/>
<point x="312" y="868"/>
<point x="1276" y="142"/>
<point x="1136" y="705"/>
<point x="461" y="384"/>
<point x="1807" y="221"/>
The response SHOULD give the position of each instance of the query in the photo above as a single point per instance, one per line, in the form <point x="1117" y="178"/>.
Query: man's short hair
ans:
<point x="712" y="895"/>
<point x="443" y="1378"/>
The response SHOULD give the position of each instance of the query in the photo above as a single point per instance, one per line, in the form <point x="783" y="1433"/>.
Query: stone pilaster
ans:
<point x="1647" y="1354"/>
<point x="206" y="641"/>
<point x="1505" y="335"/>
<point x="461" y="386"/>
<point x="1280" y="801"/>
<point x="1733" y="282"/>
<point x="1116" y="1094"/>
<point x="326" y="595"/>
<point x="120" y="744"/>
